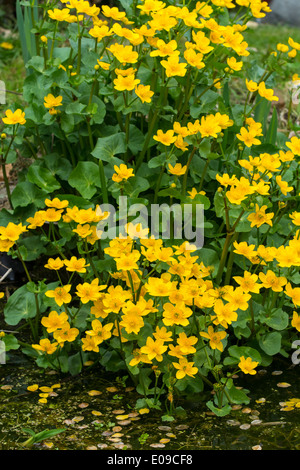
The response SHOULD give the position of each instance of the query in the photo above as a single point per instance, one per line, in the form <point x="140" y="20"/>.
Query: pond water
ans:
<point x="97" y="412"/>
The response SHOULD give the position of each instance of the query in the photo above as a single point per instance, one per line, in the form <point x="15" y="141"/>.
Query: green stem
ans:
<point x="184" y="182"/>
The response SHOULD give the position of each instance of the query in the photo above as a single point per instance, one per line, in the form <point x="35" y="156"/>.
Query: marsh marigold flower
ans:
<point x="122" y="173"/>
<point x="247" y="365"/>
<point x="51" y="101"/>
<point x="17" y="117"/>
<point x="214" y="337"/>
<point x="60" y="295"/>
<point x="185" y="368"/>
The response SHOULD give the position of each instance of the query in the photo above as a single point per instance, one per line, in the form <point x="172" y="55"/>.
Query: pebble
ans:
<point x="182" y="427"/>
<point x="283" y="385"/>
<point x="255" y="422"/>
<point x="102" y="446"/>
<point x="246" y="410"/>
<point x="125" y="422"/>
<point x="83" y="405"/>
<point x="245" y="426"/>
<point x="258" y="447"/>
<point x="94" y="393"/>
<point x="164" y="428"/>
<point x="157" y="446"/>
<point x="233" y="422"/>
<point x="277" y="372"/>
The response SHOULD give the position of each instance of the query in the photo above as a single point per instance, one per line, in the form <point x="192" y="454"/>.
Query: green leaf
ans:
<point x="20" y="306"/>
<point x="42" y="177"/>
<point x="278" y="320"/>
<point x="85" y="178"/>
<point x="225" y="410"/>
<point x="107" y="147"/>
<point x="237" y="396"/>
<point x="270" y="343"/>
<point x="26" y="193"/>
<point x="75" y="108"/>
<point x="10" y="342"/>
<point x="75" y="364"/>
<point x="271" y="136"/>
<point x="34" y="247"/>
<point x="236" y="352"/>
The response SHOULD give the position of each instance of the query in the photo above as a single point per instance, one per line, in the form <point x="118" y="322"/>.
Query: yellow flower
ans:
<point x="12" y="232"/>
<point x="52" y="215"/>
<point x="113" y="13"/>
<point x="45" y="346"/>
<point x="54" y="321"/>
<point x="247" y="365"/>
<point x="259" y="217"/>
<point x="132" y="322"/>
<point x="89" y="292"/>
<point x="177" y="314"/>
<point x="126" y="83"/>
<point x="76" y="265"/>
<point x="266" y="93"/>
<point x="164" y="49"/>
<point x="295" y="216"/>
<point x="138" y="357"/>
<point x="163" y="334"/>
<point x="184" y="368"/>
<point x="122" y="173"/>
<point x="6" y="45"/>
<point x="56" y="203"/>
<point x="233" y="64"/>
<point x="51" y="102"/>
<point x="294" y="145"/>
<point x="89" y="344"/>
<point x="178" y="169"/>
<point x="296" y="321"/>
<point x="18" y="117"/>
<point x="165" y="138"/>
<point x="283" y="185"/>
<point x="127" y="262"/>
<point x="154" y="349"/>
<point x="66" y="333"/>
<point x="144" y="93"/>
<point x="251" y="85"/>
<point x="270" y="280"/>
<point x="54" y="264"/>
<point x="293" y="293"/>
<point x="59" y="14"/>
<point x="60" y="294"/>
<point x="186" y="343"/>
<point x="248" y="282"/>
<point x="83" y="230"/>
<point x="249" y="137"/>
<point x="173" y="67"/>
<point x="124" y="54"/>
<point x="225" y="313"/>
<point x="215" y="338"/>
<point x="210" y="126"/>
<point x="99" y="332"/>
